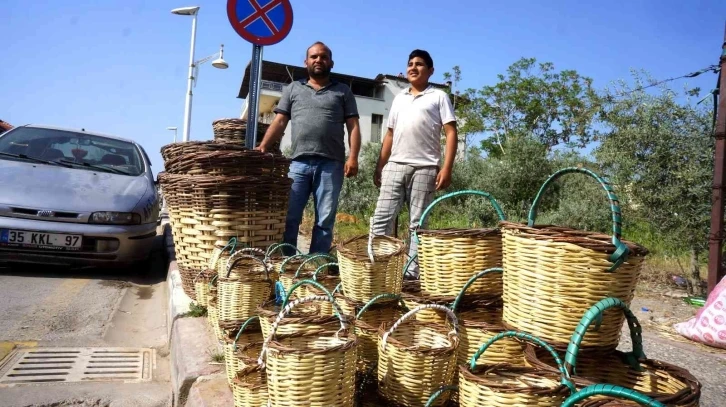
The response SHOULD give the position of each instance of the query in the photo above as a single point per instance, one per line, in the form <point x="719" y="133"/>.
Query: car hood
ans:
<point x="53" y="187"/>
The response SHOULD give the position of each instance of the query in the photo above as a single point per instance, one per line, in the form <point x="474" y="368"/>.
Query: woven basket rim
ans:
<point x="460" y="232"/>
<point x="592" y="240"/>
<point x="677" y="372"/>
<point x="501" y="367"/>
<point x="308" y="318"/>
<point x="349" y="341"/>
<point x="468" y="301"/>
<point x="441" y="329"/>
<point x="358" y="255"/>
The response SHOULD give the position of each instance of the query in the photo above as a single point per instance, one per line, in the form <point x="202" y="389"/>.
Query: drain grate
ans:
<point x="50" y="365"/>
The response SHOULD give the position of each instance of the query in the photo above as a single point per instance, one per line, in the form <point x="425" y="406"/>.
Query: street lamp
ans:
<point x="173" y="128"/>
<point x="218" y="63"/>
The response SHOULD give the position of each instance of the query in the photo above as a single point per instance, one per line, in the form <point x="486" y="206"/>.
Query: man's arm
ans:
<point x="443" y="179"/>
<point x="274" y="133"/>
<point x="384" y="156"/>
<point x="353" y="126"/>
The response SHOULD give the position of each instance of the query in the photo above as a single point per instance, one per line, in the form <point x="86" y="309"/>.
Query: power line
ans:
<point x="710" y="68"/>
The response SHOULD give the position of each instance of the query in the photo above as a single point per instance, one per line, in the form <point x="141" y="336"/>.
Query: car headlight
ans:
<point x="115" y="218"/>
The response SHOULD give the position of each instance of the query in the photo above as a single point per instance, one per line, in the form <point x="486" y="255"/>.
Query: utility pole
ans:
<point x="715" y="244"/>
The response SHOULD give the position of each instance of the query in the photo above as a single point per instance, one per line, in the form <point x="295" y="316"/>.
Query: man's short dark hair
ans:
<point x="327" y="48"/>
<point x="423" y="55"/>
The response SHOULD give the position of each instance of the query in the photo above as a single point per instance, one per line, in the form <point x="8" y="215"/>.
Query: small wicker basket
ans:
<point x="364" y="277"/>
<point x="449" y="257"/>
<point x="383" y="308"/>
<point x="415" y="358"/>
<point x="240" y="294"/>
<point x="239" y="344"/>
<point x="201" y="286"/>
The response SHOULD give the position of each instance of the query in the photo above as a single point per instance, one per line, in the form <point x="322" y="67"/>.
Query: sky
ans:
<point x="120" y="67"/>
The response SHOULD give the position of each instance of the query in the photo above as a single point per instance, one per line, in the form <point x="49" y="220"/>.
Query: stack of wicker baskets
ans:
<point x="235" y="131"/>
<point x="216" y="191"/>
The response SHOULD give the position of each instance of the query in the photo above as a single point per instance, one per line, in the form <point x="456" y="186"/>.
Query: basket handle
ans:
<point x="241" y="252"/>
<point x="293" y="257"/>
<point x="471" y="281"/>
<point x="286" y="310"/>
<point x="232" y="242"/>
<point x="611" y="390"/>
<point x="594" y="314"/>
<point x="449" y="313"/>
<point x="306" y="282"/>
<point x="277" y="246"/>
<point x="214" y="278"/>
<point x="621" y="250"/>
<point x="319" y="269"/>
<point x="242" y="328"/>
<point x="438" y="200"/>
<point x="408" y="263"/>
<point x="530" y="338"/>
<point x="264" y="263"/>
<point x="438" y="393"/>
<point x="311" y="258"/>
<point x="378" y="298"/>
<point x="200" y="273"/>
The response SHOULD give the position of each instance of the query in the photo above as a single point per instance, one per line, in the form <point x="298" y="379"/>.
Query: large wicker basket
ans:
<point x="364" y="278"/>
<point x="240" y="295"/>
<point x="314" y="369"/>
<point x="671" y="385"/>
<point x="447" y="258"/>
<point x="478" y="324"/>
<point x="415" y="358"/>
<point x="552" y="275"/>
<point x="503" y="385"/>
<point x="234" y="130"/>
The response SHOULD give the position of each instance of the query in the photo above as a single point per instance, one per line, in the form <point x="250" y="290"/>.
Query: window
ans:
<point x="376" y="128"/>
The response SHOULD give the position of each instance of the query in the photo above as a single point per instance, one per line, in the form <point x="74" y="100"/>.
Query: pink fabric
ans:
<point x="709" y="324"/>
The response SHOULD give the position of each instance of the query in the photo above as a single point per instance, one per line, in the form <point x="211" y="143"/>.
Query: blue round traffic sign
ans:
<point x="261" y="22"/>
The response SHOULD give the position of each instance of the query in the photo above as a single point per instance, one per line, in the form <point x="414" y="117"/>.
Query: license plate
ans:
<point x="25" y="238"/>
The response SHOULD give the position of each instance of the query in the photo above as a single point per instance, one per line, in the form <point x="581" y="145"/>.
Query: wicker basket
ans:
<point x="305" y="270"/>
<point x="201" y="286"/>
<point x="289" y="267"/>
<point x="188" y="274"/>
<point x="222" y="253"/>
<point x="415" y="358"/>
<point x="331" y="283"/>
<point x="213" y="318"/>
<point x="319" y="366"/>
<point x="250" y="387"/>
<point x="552" y="275"/>
<point x="306" y="318"/>
<point x="478" y="324"/>
<point x="234" y="130"/>
<point x="241" y="295"/>
<point x="503" y="385"/>
<point x="449" y="257"/>
<point x="244" y="266"/>
<point x="364" y="279"/>
<point x="383" y="308"/>
<point x="611" y="396"/>
<point x="413" y="297"/>
<point x="241" y="347"/>
<point x="671" y="385"/>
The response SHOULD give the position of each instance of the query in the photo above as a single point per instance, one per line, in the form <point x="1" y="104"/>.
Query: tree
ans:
<point x="468" y="119"/>
<point x="662" y="151"/>
<point x="554" y="107"/>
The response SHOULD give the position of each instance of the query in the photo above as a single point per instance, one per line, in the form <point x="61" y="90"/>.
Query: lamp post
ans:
<point x="173" y="128"/>
<point x="218" y="63"/>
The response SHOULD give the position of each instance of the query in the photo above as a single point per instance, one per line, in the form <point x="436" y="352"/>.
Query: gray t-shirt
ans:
<point x="318" y="118"/>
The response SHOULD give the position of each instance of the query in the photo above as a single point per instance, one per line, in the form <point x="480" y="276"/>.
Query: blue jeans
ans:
<point x="323" y="178"/>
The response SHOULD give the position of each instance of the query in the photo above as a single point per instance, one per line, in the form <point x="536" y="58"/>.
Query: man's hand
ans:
<point x="262" y="147"/>
<point x="377" y="177"/>
<point x="351" y="167"/>
<point x="443" y="179"/>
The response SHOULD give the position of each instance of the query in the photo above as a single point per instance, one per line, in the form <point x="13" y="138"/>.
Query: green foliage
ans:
<point x="195" y="311"/>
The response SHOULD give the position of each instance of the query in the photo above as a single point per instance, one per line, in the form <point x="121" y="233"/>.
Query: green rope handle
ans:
<point x="409" y="262"/>
<point x="438" y="393"/>
<point x="621" y="250"/>
<point x="378" y="298"/>
<point x="277" y="246"/>
<point x="613" y="391"/>
<point x="471" y="281"/>
<point x="232" y="242"/>
<point x="319" y="269"/>
<point x="306" y="282"/>
<point x="211" y="282"/>
<point x="338" y="288"/>
<point x="595" y="313"/>
<point x="438" y="200"/>
<point x="293" y="257"/>
<point x="265" y="266"/>
<point x="242" y="328"/>
<point x="530" y="338"/>
<point x="311" y="258"/>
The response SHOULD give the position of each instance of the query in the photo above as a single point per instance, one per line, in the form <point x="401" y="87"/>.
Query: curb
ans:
<point x="195" y="381"/>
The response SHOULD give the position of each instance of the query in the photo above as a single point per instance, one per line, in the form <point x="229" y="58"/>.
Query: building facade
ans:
<point x="373" y="97"/>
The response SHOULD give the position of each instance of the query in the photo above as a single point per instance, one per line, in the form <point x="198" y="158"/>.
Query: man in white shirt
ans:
<point x="409" y="166"/>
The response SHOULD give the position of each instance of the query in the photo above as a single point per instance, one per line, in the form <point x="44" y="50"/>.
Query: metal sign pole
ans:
<point x="253" y="105"/>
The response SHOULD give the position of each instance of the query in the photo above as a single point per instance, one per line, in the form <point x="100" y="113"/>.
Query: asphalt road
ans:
<point x="51" y="307"/>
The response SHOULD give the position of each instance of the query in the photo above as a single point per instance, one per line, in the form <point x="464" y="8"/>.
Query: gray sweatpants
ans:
<point x="401" y="183"/>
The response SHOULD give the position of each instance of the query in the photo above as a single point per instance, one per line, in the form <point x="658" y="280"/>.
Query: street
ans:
<point x="118" y="313"/>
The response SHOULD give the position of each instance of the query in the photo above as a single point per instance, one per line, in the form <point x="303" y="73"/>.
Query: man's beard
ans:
<point x="318" y="75"/>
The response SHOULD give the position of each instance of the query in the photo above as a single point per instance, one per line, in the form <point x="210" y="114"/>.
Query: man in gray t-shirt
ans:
<point x="319" y="108"/>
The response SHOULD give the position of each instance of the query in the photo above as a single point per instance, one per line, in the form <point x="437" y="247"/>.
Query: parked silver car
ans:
<point x="71" y="197"/>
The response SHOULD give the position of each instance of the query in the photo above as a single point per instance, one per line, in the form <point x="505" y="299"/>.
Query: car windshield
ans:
<point x="90" y="152"/>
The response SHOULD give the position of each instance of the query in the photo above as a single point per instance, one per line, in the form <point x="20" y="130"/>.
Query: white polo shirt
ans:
<point x="416" y="122"/>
